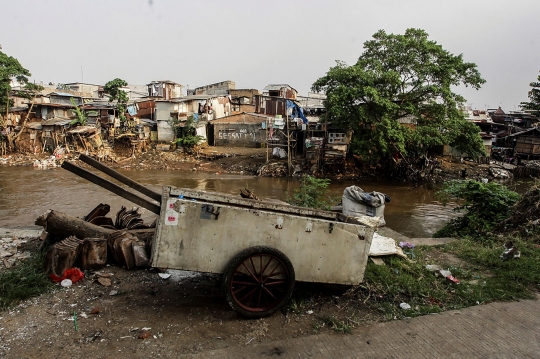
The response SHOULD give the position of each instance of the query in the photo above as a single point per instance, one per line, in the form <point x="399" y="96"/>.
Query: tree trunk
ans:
<point x="64" y="225"/>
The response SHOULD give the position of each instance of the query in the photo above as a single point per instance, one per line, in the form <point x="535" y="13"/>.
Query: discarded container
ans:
<point x="66" y="283"/>
<point x="357" y="202"/>
<point x="405" y="306"/>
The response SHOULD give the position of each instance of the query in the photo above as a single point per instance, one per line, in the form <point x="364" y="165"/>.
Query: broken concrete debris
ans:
<point x="10" y="252"/>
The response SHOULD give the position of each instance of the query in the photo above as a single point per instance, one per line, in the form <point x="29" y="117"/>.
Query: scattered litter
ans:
<point x="445" y="273"/>
<point x="378" y="261"/>
<point x="384" y="246"/>
<point x="408" y="245"/>
<point x="309" y="312"/>
<point x="73" y="274"/>
<point x="66" y="283"/>
<point x="95" y="311"/>
<point x="146" y="329"/>
<point x="405" y="306"/>
<point x="164" y="275"/>
<point x="144" y="335"/>
<point x="510" y="252"/>
<point x="75" y="321"/>
<point x="113" y="292"/>
<point x="442" y="272"/>
<point x="106" y="282"/>
<point x="249" y="341"/>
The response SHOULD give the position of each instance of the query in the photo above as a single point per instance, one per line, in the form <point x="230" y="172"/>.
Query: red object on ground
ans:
<point x="74" y="274"/>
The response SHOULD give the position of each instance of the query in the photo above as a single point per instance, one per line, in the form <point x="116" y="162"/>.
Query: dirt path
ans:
<point x="185" y="313"/>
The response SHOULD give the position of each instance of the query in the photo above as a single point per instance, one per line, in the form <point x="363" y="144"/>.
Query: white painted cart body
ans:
<point x="204" y="230"/>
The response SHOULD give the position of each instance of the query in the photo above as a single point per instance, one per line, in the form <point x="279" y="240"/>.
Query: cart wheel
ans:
<point x="258" y="281"/>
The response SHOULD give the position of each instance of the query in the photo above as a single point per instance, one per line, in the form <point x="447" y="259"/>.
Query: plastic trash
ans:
<point x="405" y="306"/>
<point x="164" y="275"/>
<point x="433" y="267"/>
<point x="66" y="283"/>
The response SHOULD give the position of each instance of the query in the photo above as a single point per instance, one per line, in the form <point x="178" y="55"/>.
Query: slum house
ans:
<point x="323" y="145"/>
<point x="526" y="143"/>
<point x="239" y="130"/>
<point x="243" y="100"/>
<point x="219" y="88"/>
<point x="203" y="108"/>
<point x="280" y="90"/>
<point x="164" y="90"/>
<point x="82" y="89"/>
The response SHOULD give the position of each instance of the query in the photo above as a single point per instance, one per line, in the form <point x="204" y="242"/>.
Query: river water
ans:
<point x="26" y="193"/>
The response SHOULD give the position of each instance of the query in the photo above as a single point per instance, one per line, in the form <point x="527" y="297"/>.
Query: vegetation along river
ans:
<point x="26" y="193"/>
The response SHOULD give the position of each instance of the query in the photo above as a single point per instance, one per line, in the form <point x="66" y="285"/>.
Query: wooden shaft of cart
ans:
<point x="114" y="188"/>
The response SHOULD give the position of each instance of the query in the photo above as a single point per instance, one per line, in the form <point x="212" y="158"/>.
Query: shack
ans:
<point x="526" y="143"/>
<point x="239" y="130"/>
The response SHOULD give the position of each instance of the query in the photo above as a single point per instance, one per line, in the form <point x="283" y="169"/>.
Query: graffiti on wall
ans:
<point x="234" y="134"/>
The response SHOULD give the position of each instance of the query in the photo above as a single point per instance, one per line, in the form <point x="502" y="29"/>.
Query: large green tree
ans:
<point x="11" y="69"/>
<point x="534" y="96"/>
<point x="402" y="79"/>
<point x="113" y="88"/>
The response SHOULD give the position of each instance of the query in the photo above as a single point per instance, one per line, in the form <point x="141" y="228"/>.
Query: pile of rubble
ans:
<point x="11" y="253"/>
<point x="273" y="169"/>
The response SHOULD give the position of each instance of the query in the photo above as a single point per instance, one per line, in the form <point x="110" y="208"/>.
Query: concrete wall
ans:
<point x="238" y="135"/>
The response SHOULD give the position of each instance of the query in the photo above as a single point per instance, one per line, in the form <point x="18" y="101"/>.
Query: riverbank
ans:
<point x="257" y="162"/>
<point x="141" y="314"/>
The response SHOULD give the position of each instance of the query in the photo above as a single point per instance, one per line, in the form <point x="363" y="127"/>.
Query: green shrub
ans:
<point x="311" y="193"/>
<point x="484" y="204"/>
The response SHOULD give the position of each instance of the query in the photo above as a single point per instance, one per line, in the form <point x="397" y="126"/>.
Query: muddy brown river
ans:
<point x="26" y="193"/>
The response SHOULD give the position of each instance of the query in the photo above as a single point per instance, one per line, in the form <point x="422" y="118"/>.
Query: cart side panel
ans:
<point x="204" y="237"/>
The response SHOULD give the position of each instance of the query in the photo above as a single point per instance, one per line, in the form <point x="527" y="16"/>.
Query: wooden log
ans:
<point x="61" y="224"/>
<point x="58" y="223"/>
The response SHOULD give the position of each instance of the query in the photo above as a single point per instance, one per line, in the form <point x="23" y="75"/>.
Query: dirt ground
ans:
<point x="142" y="315"/>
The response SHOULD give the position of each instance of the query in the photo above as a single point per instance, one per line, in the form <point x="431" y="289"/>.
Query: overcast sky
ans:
<point x="255" y="43"/>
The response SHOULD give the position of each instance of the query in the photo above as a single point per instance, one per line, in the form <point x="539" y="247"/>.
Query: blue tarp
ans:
<point x="296" y="111"/>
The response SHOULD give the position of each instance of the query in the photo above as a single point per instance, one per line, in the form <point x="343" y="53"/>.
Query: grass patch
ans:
<point x="338" y="326"/>
<point x="485" y="278"/>
<point x="23" y="281"/>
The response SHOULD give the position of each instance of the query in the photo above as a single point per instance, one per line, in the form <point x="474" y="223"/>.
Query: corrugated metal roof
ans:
<point x="65" y="94"/>
<point x="83" y="129"/>
<point x="240" y="118"/>
<point x="34" y="125"/>
<point x="58" y="121"/>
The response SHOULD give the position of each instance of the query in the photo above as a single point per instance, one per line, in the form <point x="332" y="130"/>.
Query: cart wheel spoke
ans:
<point x="269" y="292"/>
<point x="259" y="281"/>
<point x="251" y="284"/>
<point x="250" y="293"/>
<point x="249" y="271"/>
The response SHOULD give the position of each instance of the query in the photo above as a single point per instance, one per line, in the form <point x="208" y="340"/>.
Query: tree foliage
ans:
<point x="402" y="77"/>
<point x="534" y="98"/>
<point x="10" y="69"/>
<point x="81" y="116"/>
<point x="113" y="88"/>
<point x="185" y="132"/>
<point x="485" y="206"/>
<point x="311" y="193"/>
